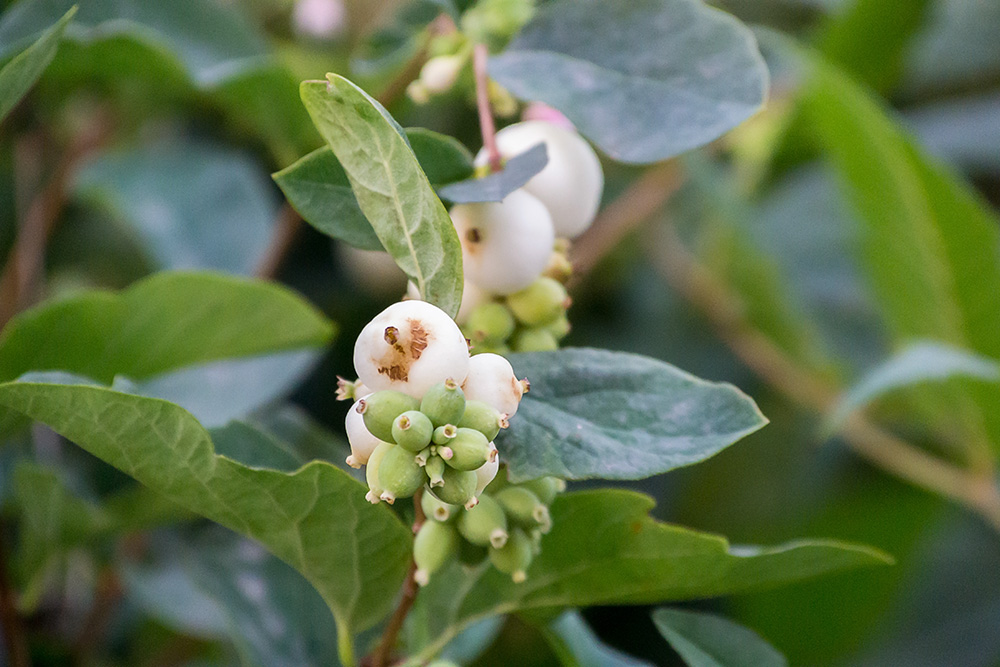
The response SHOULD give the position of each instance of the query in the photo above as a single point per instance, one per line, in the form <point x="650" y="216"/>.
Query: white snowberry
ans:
<point x="409" y="347"/>
<point x="363" y="443"/>
<point x="440" y="72"/>
<point x="491" y="380"/>
<point x="505" y="245"/>
<point x="571" y="183"/>
<point x="487" y="472"/>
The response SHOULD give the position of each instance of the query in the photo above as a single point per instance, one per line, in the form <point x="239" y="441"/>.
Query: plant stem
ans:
<point x="383" y="654"/>
<point x="480" y="54"/>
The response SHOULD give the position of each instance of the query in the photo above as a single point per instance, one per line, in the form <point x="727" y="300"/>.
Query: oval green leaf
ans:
<point x="672" y="75"/>
<point x="391" y="188"/>
<point x="704" y="640"/>
<point x="613" y="415"/>
<point x="23" y="70"/>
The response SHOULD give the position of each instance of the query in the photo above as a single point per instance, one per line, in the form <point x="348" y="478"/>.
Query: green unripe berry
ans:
<point x="490" y="323"/>
<point x="539" y="303"/>
<point x="559" y="327"/>
<point x="442" y="663"/>
<point x="459" y="487"/>
<point x="412" y="430"/>
<point x="537" y="339"/>
<point x="399" y="475"/>
<point x="438" y="510"/>
<point x="535" y="535"/>
<point x="435" y="471"/>
<point x="381" y="409"/>
<point x="523" y="507"/>
<point x="444" y="434"/>
<point x="484" y="418"/>
<point x="514" y="557"/>
<point x="371" y="472"/>
<point x="434" y="544"/>
<point x="546" y="488"/>
<point x="498" y="483"/>
<point x="485" y="524"/>
<point x="470" y="450"/>
<point x="444" y="403"/>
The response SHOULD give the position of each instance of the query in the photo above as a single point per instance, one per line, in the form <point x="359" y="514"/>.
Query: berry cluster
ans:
<point x="426" y="413"/>
<point x="514" y="252"/>
<point x="506" y="526"/>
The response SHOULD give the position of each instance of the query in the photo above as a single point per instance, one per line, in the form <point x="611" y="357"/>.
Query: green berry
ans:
<point x="435" y="471"/>
<point x="537" y="339"/>
<point x="459" y="487"/>
<point x="484" y="418"/>
<point x="559" y="327"/>
<point x="546" y="488"/>
<point x="438" y="510"/>
<point x="539" y="303"/>
<point x="412" y="430"/>
<point x="514" y="557"/>
<point x="444" y="434"/>
<point x="381" y="409"/>
<point x="470" y="450"/>
<point x="523" y="507"/>
<point x="399" y="475"/>
<point x="490" y="322"/>
<point x="435" y="543"/>
<point x="371" y="472"/>
<point x="444" y="403"/>
<point x="498" y="483"/>
<point x="485" y="524"/>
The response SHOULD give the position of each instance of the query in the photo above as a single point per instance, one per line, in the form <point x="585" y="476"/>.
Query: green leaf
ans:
<point x="318" y="188"/>
<point x="673" y="74"/>
<point x="494" y="187"/>
<point x="194" y="205"/>
<point x="604" y="549"/>
<point x="162" y="323"/>
<point x="918" y="363"/>
<point x="613" y="415"/>
<point x="315" y="519"/>
<point x="869" y="38"/>
<point x="217" y="584"/>
<point x="392" y="190"/>
<point x="213" y="42"/>
<point x="576" y="645"/>
<point x="931" y="245"/>
<point x="23" y="70"/>
<point x="704" y="640"/>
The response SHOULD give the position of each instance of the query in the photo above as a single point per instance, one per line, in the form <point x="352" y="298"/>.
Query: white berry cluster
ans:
<point x="514" y="251"/>
<point x="426" y="413"/>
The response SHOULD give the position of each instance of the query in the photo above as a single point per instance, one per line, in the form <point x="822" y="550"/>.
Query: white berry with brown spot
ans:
<point x="363" y="443"/>
<point x="491" y="380"/>
<point x="409" y="347"/>
<point x="505" y="245"/>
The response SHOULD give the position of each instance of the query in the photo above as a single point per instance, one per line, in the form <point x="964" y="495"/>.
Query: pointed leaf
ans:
<point x="494" y="187"/>
<point x="316" y="519"/>
<point x="613" y="415"/>
<point x="578" y="646"/>
<point x="671" y="76"/>
<point x="392" y="190"/>
<point x="604" y="548"/>
<point x="704" y="640"/>
<point x="23" y="70"/>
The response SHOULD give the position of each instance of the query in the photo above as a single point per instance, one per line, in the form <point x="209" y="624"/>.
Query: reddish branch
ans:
<point x="15" y="639"/>
<point x="486" y="125"/>
<point x="383" y="655"/>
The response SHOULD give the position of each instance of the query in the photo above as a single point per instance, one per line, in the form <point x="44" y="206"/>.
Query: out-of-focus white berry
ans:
<point x="472" y="296"/>
<point x="374" y="271"/>
<point x="321" y="19"/>
<point x="487" y="472"/>
<point x="543" y="112"/>
<point x="571" y="183"/>
<point x="409" y="347"/>
<point x="440" y="73"/>
<point x="418" y="92"/>
<point x="505" y="245"/>
<point x="363" y="443"/>
<point x="491" y="380"/>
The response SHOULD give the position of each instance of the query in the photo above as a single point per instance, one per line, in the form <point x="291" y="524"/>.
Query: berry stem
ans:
<point x="383" y="654"/>
<point x="486" y="125"/>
